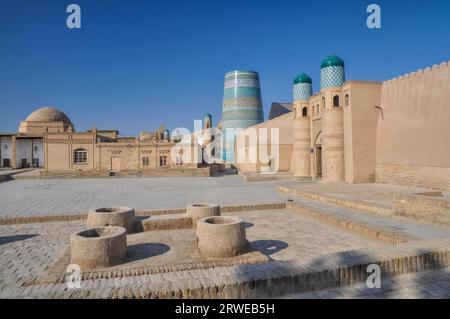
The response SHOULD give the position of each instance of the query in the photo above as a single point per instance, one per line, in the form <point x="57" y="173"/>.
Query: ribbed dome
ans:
<point x="332" y="60"/>
<point x="48" y="114"/>
<point x="302" y="78"/>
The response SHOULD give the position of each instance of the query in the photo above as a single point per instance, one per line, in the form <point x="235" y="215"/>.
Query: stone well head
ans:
<point x="112" y="216"/>
<point x="98" y="247"/>
<point x="200" y="210"/>
<point x="221" y="236"/>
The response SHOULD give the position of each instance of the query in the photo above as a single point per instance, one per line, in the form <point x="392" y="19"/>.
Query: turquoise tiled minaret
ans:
<point x="242" y="106"/>
<point x="332" y="73"/>
<point x="207" y="121"/>
<point x="302" y="89"/>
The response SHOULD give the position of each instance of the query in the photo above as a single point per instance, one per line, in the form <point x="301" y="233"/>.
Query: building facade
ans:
<point x="47" y="140"/>
<point x="365" y="131"/>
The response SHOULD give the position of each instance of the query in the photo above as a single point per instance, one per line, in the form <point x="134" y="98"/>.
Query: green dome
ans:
<point x="207" y="115"/>
<point x="302" y="78"/>
<point x="332" y="60"/>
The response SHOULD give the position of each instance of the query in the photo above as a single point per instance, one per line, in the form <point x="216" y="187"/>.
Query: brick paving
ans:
<point x="74" y="196"/>
<point x="292" y="241"/>
<point x="296" y="244"/>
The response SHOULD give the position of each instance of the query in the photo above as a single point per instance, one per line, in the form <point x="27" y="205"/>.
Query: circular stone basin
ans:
<point x="98" y="247"/>
<point x="114" y="216"/>
<point x="201" y="210"/>
<point x="221" y="236"/>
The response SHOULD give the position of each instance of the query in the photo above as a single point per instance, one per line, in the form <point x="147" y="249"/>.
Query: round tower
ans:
<point x="302" y="91"/>
<point x="242" y="106"/>
<point x="207" y="121"/>
<point x="332" y="73"/>
<point x="207" y="129"/>
<point x="333" y="165"/>
<point x="167" y="135"/>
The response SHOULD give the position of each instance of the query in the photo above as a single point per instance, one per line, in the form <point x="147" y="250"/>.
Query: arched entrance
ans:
<point x="318" y="155"/>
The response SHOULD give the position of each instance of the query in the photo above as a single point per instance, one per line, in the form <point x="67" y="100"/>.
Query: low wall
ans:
<point x="411" y="175"/>
<point x="168" y="172"/>
<point x="142" y="213"/>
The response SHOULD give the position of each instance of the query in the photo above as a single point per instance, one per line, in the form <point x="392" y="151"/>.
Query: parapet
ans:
<point x="433" y="68"/>
<point x="363" y="82"/>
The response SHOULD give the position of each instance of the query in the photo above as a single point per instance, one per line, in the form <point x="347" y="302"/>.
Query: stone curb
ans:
<point x="336" y="201"/>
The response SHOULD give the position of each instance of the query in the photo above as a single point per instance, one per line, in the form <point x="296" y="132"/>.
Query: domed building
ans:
<point x="26" y="148"/>
<point x="47" y="139"/>
<point x="48" y="119"/>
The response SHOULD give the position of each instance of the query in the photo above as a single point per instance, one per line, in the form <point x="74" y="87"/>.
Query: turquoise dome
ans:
<point x="332" y="60"/>
<point x="302" y="78"/>
<point x="207" y="115"/>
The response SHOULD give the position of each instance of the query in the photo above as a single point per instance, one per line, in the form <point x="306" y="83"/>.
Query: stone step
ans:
<point x="369" y="207"/>
<point x="335" y="214"/>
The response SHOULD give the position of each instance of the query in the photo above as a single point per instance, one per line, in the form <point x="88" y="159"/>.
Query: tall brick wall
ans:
<point x="413" y="138"/>
<point x="360" y="130"/>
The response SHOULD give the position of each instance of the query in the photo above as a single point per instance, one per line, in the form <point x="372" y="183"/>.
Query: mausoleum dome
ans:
<point x="48" y="114"/>
<point x="332" y="60"/>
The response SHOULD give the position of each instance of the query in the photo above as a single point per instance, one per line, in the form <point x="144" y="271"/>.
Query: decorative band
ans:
<point x="241" y="82"/>
<point x="243" y="101"/>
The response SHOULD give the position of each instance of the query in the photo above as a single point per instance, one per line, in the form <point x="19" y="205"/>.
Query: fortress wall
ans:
<point x="360" y="125"/>
<point x="413" y="139"/>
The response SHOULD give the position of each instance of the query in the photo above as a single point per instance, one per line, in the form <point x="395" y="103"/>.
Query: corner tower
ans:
<point x="332" y="72"/>
<point x="301" y="158"/>
<point x="332" y="78"/>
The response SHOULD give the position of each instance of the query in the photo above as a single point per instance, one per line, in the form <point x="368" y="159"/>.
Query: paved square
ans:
<point x="73" y="196"/>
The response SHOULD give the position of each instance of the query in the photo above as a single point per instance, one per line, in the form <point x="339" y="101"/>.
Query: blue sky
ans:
<point x="137" y="64"/>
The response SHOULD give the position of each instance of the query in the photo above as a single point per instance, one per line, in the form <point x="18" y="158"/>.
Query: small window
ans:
<point x="146" y="161"/>
<point x="336" y="101"/>
<point x="323" y="102"/>
<point x="80" y="156"/>
<point x="162" y="160"/>
<point x="305" y="111"/>
<point x="5" y="147"/>
<point x="314" y="110"/>
<point x="318" y="109"/>
<point x="36" y="149"/>
<point x="179" y="161"/>
<point x="347" y="100"/>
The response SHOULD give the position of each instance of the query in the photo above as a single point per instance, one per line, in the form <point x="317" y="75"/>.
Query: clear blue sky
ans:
<point x="136" y="64"/>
